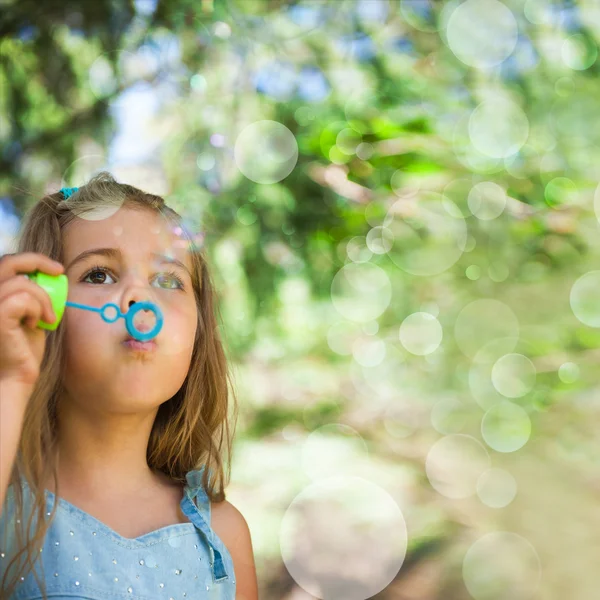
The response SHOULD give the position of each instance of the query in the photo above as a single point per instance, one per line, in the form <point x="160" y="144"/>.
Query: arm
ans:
<point x="13" y="402"/>
<point x="235" y="534"/>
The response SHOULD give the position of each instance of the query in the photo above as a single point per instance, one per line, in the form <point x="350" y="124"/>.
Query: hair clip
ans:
<point x="68" y="192"/>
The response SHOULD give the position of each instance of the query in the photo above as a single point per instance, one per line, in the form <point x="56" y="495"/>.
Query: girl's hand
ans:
<point x="22" y="304"/>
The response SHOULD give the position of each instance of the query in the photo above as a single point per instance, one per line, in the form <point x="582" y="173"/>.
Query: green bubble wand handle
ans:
<point x="57" y="287"/>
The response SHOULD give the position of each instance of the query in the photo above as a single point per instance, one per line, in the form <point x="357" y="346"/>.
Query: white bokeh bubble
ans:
<point x="82" y="169"/>
<point x="561" y="192"/>
<point x="347" y="140"/>
<point x="428" y="237"/>
<point x="361" y="292"/>
<point x="401" y="187"/>
<point x="495" y="348"/>
<point x="448" y="416"/>
<point x="364" y="151"/>
<point x="498" y="128"/>
<point x="343" y="537"/>
<point x="496" y="488"/>
<point x="568" y="372"/>
<point x="148" y="175"/>
<point x="78" y="173"/>
<point x="473" y="272"/>
<point x="487" y="200"/>
<point x="454" y="465"/>
<point x="477" y="162"/>
<point x="421" y="333"/>
<point x="205" y="161"/>
<point x="564" y="86"/>
<point x="520" y="165"/>
<point x="482" y="33"/>
<point x="585" y="299"/>
<point x="266" y="151"/>
<point x="513" y="375"/>
<point x="501" y="566"/>
<point x="578" y="53"/>
<point x="380" y="240"/>
<point x="332" y="449"/>
<point x="368" y="350"/>
<point x="102" y="79"/>
<point x="506" y="427"/>
<point x="370" y="328"/>
<point x="481" y="386"/>
<point x="480" y="371"/>
<point x="457" y="191"/>
<point x="483" y="321"/>
<point x="373" y="214"/>
<point x="357" y="249"/>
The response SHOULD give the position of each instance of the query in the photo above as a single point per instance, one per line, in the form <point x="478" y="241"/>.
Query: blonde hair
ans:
<point x="190" y="430"/>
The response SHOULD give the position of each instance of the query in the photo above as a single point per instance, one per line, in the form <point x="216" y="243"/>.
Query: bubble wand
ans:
<point x="57" y="287"/>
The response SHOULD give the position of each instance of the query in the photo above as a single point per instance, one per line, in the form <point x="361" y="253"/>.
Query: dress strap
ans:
<point x="195" y="490"/>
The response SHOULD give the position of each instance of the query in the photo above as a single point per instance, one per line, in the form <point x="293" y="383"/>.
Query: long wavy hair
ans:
<point x="192" y="429"/>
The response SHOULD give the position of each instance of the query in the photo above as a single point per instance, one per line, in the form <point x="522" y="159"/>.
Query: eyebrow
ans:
<point x="115" y="253"/>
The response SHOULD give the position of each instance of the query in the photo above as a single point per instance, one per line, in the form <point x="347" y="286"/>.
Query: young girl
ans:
<point x="111" y="469"/>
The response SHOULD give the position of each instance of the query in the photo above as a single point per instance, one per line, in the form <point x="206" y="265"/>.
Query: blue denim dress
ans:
<point x="85" y="559"/>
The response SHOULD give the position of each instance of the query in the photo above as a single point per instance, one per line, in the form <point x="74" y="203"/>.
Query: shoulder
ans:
<point x="231" y="527"/>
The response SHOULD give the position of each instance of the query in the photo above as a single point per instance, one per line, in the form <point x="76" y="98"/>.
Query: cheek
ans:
<point x="181" y="328"/>
<point x="87" y="337"/>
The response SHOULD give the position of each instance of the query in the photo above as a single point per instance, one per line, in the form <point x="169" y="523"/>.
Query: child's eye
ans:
<point x="105" y="271"/>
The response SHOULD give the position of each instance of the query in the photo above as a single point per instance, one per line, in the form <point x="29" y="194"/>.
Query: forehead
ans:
<point x="136" y="232"/>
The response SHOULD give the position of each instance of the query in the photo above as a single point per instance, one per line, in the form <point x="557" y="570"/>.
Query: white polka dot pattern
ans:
<point x="85" y="559"/>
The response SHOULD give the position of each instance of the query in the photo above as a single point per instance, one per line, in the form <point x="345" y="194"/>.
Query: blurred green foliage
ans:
<point x="443" y="157"/>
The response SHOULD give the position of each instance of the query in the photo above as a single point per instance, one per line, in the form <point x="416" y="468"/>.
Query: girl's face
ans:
<point x="101" y="373"/>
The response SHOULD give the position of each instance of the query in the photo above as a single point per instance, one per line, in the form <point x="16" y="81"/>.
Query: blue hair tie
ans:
<point x="68" y="192"/>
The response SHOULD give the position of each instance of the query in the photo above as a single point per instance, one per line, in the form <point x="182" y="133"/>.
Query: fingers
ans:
<point x="21" y="290"/>
<point x="27" y="262"/>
